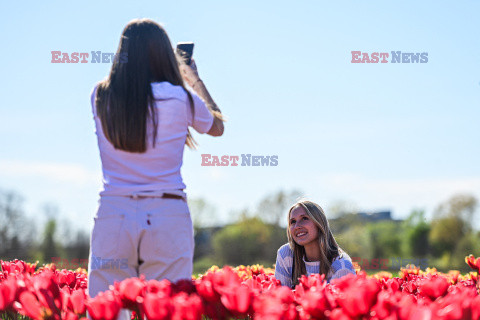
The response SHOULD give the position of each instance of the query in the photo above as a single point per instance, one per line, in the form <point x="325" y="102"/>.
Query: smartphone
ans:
<point x="185" y="50"/>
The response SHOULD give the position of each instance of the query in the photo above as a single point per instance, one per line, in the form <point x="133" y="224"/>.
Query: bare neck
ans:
<point x="312" y="251"/>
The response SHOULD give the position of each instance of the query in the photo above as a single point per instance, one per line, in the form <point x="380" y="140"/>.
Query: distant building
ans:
<point x="376" y="216"/>
<point x="345" y="221"/>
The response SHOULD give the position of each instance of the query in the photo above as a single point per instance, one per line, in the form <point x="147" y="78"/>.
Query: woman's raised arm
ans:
<point x="190" y="75"/>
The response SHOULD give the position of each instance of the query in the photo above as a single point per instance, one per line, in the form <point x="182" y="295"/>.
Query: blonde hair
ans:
<point x="329" y="248"/>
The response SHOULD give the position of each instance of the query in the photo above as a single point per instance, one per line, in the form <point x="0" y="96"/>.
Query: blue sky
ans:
<point x="382" y="136"/>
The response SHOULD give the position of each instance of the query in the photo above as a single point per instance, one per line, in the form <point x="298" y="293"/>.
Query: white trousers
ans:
<point x="152" y="236"/>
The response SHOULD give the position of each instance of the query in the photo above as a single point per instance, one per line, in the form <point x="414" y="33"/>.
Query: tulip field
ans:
<point x="244" y="292"/>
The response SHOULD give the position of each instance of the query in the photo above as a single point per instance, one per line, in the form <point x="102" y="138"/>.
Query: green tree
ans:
<point x="16" y="235"/>
<point x="49" y="247"/>
<point x="417" y="232"/>
<point x="445" y="233"/>
<point x="344" y="222"/>
<point x="248" y="241"/>
<point x="468" y="244"/>
<point x="204" y="221"/>
<point x="79" y="246"/>
<point x="356" y="242"/>
<point x="462" y="206"/>
<point x="385" y="239"/>
<point x="452" y="221"/>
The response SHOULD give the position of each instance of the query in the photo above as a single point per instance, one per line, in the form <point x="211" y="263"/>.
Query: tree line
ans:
<point x="256" y="233"/>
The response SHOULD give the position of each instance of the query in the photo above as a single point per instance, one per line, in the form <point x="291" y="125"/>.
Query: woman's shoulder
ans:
<point x="285" y="251"/>
<point x="342" y="255"/>
<point x="166" y="90"/>
<point x="342" y="261"/>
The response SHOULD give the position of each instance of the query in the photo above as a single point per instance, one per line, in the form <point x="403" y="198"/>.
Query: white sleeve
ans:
<point x="281" y="271"/>
<point x="203" y="119"/>
<point x="92" y="100"/>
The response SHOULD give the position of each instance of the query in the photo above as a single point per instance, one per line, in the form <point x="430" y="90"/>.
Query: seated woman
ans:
<point x="311" y="247"/>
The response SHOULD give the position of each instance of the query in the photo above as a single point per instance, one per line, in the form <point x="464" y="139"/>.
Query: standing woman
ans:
<point x="142" y="112"/>
<point x="311" y="247"/>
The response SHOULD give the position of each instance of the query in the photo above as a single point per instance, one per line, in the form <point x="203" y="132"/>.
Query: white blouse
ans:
<point x="158" y="169"/>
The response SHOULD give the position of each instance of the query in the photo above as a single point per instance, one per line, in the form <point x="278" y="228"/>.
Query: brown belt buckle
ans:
<point x="171" y="196"/>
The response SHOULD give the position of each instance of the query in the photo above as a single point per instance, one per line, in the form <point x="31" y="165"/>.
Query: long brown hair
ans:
<point x="125" y="99"/>
<point x="329" y="248"/>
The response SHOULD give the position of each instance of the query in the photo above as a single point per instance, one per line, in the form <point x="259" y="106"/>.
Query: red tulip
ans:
<point x="129" y="290"/>
<point x="315" y="303"/>
<point x="133" y="315"/>
<point x="187" y="307"/>
<point x="277" y="304"/>
<point x="31" y="307"/>
<point x="457" y="303"/>
<point x="257" y="270"/>
<point x="65" y="278"/>
<point x="475" y="307"/>
<point x="69" y="315"/>
<point x="474" y="276"/>
<point x="405" y="305"/>
<point x="8" y="289"/>
<point x="65" y="296"/>
<point x="238" y="299"/>
<point x="39" y="295"/>
<point x="47" y="290"/>
<point x="211" y="286"/>
<point x="338" y="314"/>
<point x="433" y="288"/>
<point x="357" y="294"/>
<point x="225" y="285"/>
<point x="306" y="283"/>
<point x="473" y="263"/>
<point x="454" y="275"/>
<point x="387" y="304"/>
<point x="155" y="286"/>
<point x="18" y="266"/>
<point x="421" y="313"/>
<point x="392" y="285"/>
<point x="184" y="285"/>
<point x="157" y="306"/>
<point x="410" y="287"/>
<point x="81" y="281"/>
<point x="262" y="282"/>
<point x="315" y="280"/>
<point x="205" y="289"/>
<point x="77" y="301"/>
<point x="225" y="278"/>
<point x="105" y="306"/>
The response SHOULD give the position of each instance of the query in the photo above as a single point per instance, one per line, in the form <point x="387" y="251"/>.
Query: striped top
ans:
<point x="341" y="266"/>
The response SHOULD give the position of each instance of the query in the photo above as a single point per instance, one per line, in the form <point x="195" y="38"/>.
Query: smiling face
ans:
<point x="302" y="229"/>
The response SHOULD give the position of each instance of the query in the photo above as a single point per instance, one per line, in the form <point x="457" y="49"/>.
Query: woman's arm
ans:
<point x="341" y="267"/>
<point x="281" y="270"/>
<point x="190" y="75"/>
